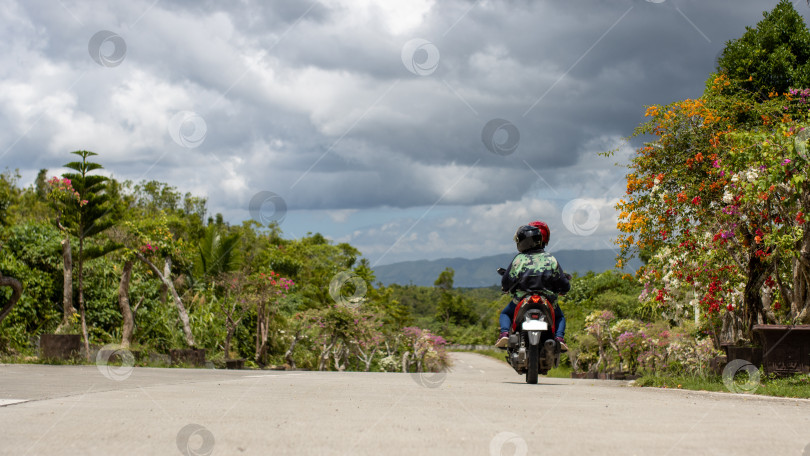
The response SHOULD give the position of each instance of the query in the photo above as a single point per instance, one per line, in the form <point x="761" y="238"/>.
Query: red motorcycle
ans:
<point x="533" y="327"/>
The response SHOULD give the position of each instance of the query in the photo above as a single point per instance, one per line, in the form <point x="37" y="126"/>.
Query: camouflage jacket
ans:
<point x="535" y="271"/>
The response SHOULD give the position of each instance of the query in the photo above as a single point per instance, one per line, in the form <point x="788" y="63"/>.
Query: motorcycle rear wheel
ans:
<point x="534" y="364"/>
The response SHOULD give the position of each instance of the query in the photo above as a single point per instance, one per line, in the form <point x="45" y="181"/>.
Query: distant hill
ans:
<point x="481" y="272"/>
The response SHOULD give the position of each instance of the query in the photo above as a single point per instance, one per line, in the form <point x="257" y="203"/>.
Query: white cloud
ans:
<point x="315" y="105"/>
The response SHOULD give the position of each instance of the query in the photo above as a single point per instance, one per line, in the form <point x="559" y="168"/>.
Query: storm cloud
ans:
<point x="368" y="118"/>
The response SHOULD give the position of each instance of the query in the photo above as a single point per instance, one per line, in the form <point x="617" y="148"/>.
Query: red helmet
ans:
<point x="543" y="230"/>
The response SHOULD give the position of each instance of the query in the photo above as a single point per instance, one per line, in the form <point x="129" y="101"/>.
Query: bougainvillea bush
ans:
<point x="633" y="346"/>
<point x="717" y="203"/>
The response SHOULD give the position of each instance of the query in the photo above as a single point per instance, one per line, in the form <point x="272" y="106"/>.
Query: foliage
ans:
<point x="634" y="346"/>
<point x="156" y="221"/>
<point x="218" y="253"/>
<point x="772" y="57"/>
<point x="716" y="200"/>
<point x="427" y="353"/>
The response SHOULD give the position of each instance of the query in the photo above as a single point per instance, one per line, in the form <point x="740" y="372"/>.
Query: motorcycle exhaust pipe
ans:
<point x="551" y="348"/>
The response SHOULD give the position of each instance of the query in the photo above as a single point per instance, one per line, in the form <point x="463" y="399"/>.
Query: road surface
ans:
<point x="481" y="407"/>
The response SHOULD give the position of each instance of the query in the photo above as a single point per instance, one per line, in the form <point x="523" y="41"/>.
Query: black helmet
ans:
<point x="528" y="237"/>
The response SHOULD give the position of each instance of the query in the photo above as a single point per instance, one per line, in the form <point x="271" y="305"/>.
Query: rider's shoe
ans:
<point x="563" y="347"/>
<point x="503" y="340"/>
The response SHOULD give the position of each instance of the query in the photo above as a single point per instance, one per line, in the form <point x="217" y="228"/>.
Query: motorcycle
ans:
<point x="532" y="348"/>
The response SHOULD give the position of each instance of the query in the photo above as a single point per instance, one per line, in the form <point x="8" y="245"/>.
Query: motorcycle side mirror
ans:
<point x="501" y="271"/>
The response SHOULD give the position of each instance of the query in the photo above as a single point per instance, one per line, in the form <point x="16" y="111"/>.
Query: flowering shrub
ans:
<point x="427" y="349"/>
<point x="636" y="347"/>
<point x="153" y="238"/>
<point x="686" y="354"/>
<point x="597" y="325"/>
<point x="61" y="189"/>
<point x="719" y="205"/>
<point x="631" y="345"/>
<point x="390" y="363"/>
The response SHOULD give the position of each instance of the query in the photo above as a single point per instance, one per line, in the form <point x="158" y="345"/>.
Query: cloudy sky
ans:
<point x="413" y="129"/>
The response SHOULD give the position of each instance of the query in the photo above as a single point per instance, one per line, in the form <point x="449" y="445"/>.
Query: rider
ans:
<point x="533" y="269"/>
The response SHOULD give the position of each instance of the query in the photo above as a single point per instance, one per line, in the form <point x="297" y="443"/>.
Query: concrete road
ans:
<point x="480" y="408"/>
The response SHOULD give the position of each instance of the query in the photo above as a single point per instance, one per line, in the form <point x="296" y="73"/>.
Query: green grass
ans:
<point x="797" y="386"/>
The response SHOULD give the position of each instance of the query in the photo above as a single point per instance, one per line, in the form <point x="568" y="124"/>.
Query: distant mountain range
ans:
<point x="481" y="272"/>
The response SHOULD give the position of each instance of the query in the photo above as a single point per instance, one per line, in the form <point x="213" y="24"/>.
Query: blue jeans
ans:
<point x="505" y="318"/>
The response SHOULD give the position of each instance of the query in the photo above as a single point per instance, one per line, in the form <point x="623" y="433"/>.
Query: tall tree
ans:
<point x="95" y="213"/>
<point x="772" y="57"/>
<point x="685" y="187"/>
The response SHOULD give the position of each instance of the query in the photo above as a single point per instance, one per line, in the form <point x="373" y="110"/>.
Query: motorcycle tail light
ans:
<point x="535" y="316"/>
<point x="536" y="298"/>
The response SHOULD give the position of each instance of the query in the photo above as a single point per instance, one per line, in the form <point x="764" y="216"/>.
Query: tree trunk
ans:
<point x="731" y="332"/>
<point x="16" y="287"/>
<point x="752" y="296"/>
<point x="325" y="354"/>
<point x="81" y="301"/>
<point x="228" y="337"/>
<point x="337" y="353"/>
<point x="367" y="360"/>
<point x="289" y="355"/>
<point x="67" y="287"/>
<point x="166" y="279"/>
<point x="164" y="290"/>
<point x="123" y="303"/>
<point x="262" y="333"/>
<point x="800" y="304"/>
<point x="406" y="363"/>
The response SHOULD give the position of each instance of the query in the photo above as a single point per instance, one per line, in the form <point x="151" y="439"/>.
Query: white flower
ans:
<point x="751" y="175"/>
<point x="735" y="178"/>
<point x="728" y="198"/>
<point x="656" y="181"/>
